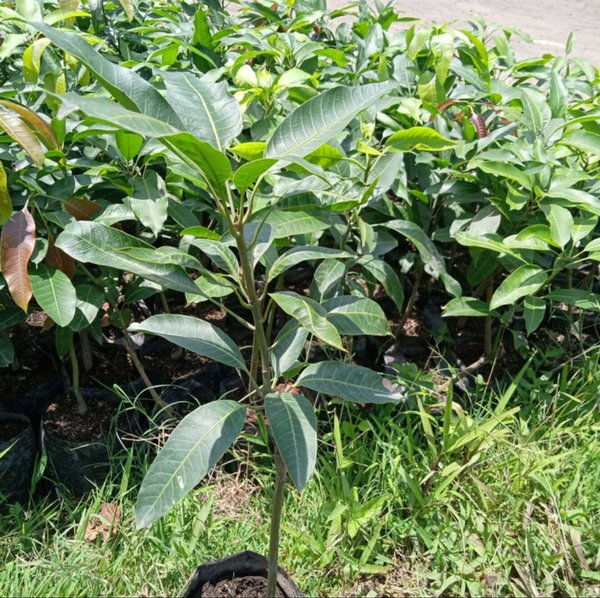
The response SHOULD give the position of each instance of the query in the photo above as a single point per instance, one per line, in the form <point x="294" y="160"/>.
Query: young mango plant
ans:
<point x="197" y="121"/>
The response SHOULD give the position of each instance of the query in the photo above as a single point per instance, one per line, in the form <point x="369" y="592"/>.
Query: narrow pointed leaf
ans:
<point x="100" y="244"/>
<point x="387" y="276"/>
<point x="54" y="293"/>
<point x="297" y="255"/>
<point x="432" y="261"/>
<point x="534" y="310"/>
<point x="206" y="109"/>
<point x="525" y="280"/>
<point x="319" y="119"/>
<point x="347" y="381"/>
<point x="310" y="315"/>
<point x="194" y="447"/>
<point x="354" y="316"/>
<point x="17" y="241"/>
<point x="40" y="127"/>
<point x="576" y="297"/>
<point x="23" y="135"/>
<point x="195" y="335"/>
<point x="294" y="426"/>
<point x="126" y="86"/>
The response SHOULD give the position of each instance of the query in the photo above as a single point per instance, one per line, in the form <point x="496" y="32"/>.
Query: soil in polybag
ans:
<point x="17" y="456"/>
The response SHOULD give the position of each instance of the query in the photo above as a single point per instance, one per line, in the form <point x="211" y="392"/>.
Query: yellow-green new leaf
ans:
<point x="418" y="138"/>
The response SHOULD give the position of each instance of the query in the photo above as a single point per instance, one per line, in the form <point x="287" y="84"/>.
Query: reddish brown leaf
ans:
<point x="58" y="259"/>
<point x="445" y="104"/>
<point x="17" y="241"/>
<point x="39" y="126"/>
<point x="81" y="209"/>
<point x="479" y="125"/>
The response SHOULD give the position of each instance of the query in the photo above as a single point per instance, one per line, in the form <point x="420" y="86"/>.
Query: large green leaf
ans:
<point x="54" y="293"/>
<point x="354" y="316"/>
<point x="351" y="382"/>
<point x="206" y="109"/>
<point x="301" y="254"/>
<point x="127" y="87"/>
<point x="294" y="426"/>
<point x="525" y="280"/>
<point x="193" y="448"/>
<point x="418" y="138"/>
<point x="433" y="262"/>
<point x="504" y="170"/>
<point x="195" y="335"/>
<point x="100" y="244"/>
<point x="212" y="163"/>
<point x="310" y="315"/>
<point x="576" y="297"/>
<point x="246" y="175"/>
<point x="534" y="310"/>
<point x="319" y="119"/>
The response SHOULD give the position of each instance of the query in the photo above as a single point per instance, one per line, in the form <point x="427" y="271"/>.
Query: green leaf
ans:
<point x="195" y="335"/>
<point x="6" y="207"/>
<point x="490" y="241"/>
<point x="466" y="306"/>
<point x="319" y="119"/>
<point x="387" y="276"/>
<point x="503" y="170"/>
<point x="418" y="138"/>
<point x="250" y="150"/>
<point x="149" y="201"/>
<point x="525" y="280"/>
<point x="356" y="316"/>
<point x="206" y="109"/>
<point x="10" y="316"/>
<point x="583" y="140"/>
<point x="287" y="347"/>
<point x="127" y="87"/>
<point x="442" y="49"/>
<point x="247" y="174"/>
<point x="534" y="309"/>
<point x="89" y="301"/>
<point x="433" y="262"/>
<point x="561" y="223"/>
<point x="99" y="244"/>
<point x="576" y="297"/>
<point x="219" y="253"/>
<point x="350" y="382"/>
<point x="310" y="315"/>
<point x="301" y="254"/>
<point x="294" y="426"/>
<point x="54" y="293"/>
<point x="129" y="144"/>
<point x="327" y="279"/>
<point x="193" y="448"/>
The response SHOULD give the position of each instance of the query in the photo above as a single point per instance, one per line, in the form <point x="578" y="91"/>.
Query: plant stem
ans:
<point x="140" y="368"/>
<point x="278" y="493"/>
<point x="81" y="405"/>
<point x="411" y="300"/>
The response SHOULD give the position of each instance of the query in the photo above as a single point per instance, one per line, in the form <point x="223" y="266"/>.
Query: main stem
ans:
<point x="278" y="493"/>
<point x="256" y="308"/>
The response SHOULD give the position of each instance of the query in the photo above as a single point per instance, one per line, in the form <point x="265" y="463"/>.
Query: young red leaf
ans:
<point x="17" y="241"/>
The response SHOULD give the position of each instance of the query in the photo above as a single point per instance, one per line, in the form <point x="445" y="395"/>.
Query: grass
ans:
<point x="494" y="492"/>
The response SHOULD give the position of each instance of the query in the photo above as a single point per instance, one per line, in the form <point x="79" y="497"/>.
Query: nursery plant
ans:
<point x="259" y="238"/>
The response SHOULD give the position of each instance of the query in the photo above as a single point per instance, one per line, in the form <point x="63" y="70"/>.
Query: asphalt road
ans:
<point x="548" y="22"/>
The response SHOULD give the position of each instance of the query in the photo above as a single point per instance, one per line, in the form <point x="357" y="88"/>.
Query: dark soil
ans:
<point x="251" y="586"/>
<point x="62" y="419"/>
<point x="11" y="429"/>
